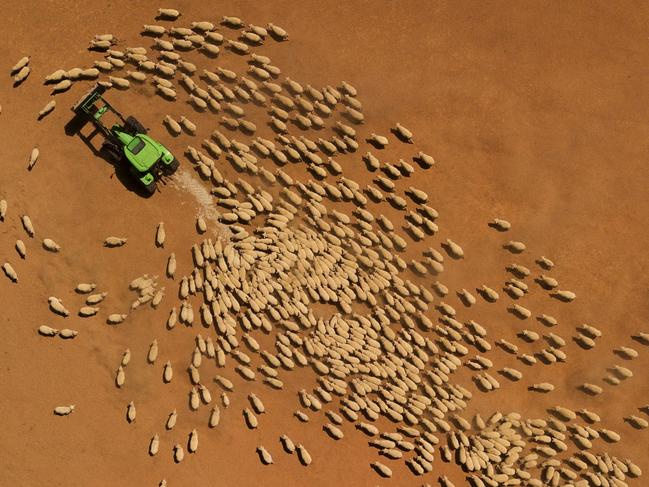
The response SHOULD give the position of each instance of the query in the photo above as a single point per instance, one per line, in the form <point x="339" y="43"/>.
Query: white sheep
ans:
<point x="21" y="248"/>
<point x="168" y="13"/>
<point x="157" y="30"/>
<point x="27" y="225"/>
<point x="303" y="454"/>
<point x="114" y="241"/>
<point x="64" y="410"/>
<point x="22" y="75"/>
<point x="277" y="32"/>
<point x="51" y="245"/>
<point x="48" y="108"/>
<point x="403" y="133"/>
<point x="192" y="444"/>
<point x="47" y="331"/>
<point x="87" y="311"/>
<point x="154" y="445"/>
<point x="264" y="455"/>
<point x="61" y="86"/>
<point x="56" y="305"/>
<point x="130" y="412"/>
<point x="153" y="352"/>
<point x="115" y="318"/>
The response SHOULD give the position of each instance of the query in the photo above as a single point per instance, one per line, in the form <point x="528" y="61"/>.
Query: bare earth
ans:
<point x="536" y="113"/>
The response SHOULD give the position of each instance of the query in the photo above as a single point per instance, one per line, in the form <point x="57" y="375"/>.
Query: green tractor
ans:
<point x="148" y="159"/>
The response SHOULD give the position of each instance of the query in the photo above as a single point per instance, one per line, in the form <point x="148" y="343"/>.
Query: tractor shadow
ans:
<point x="74" y="128"/>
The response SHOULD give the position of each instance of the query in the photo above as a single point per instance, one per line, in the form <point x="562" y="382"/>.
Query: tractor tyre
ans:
<point x="134" y="127"/>
<point x="150" y="188"/>
<point x="172" y="167"/>
<point x="112" y="150"/>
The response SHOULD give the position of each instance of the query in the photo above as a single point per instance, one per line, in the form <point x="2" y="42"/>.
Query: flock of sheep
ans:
<point x="387" y="348"/>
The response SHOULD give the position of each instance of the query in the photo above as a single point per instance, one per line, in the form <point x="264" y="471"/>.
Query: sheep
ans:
<point x="403" y="133"/>
<point x="545" y="263"/>
<point x="609" y="436"/>
<point x="417" y="195"/>
<point x="179" y="453"/>
<point x="167" y="372"/>
<point x="61" y="86"/>
<point x="47" y="109"/>
<point x="27" y="225"/>
<point x="277" y="32"/>
<point x="565" y="296"/>
<point x="101" y="65"/>
<point x="130" y="412"/>
<point x="453" y="249"/>
<point x="250" y="419"/>
<point x="115" y="318"/>
<point x="188" y="125"/>
<point x="126" y="357"/>
<point x="85" y="288"/>
<point x="232" y="22"/>
<point x="112" y="242"/>
<point x="379" y="141"/>
<point x="500" y="224"/>
<point x="466" y="297"/>
<point x="381" y="469"/>
<point x="591" y="389"/>
<point x="520" y="311"/>
<point x="153" y="352"/>
<point x="99" y="45"/>
<point x="488" y="294"/>
<point x="21" y="249"/>
<point x="515" y="247"/>
<point x="64" y="410"/>
<point x="202" y="26"/>
<point x="136" y="75"/>
<point x="3" y="209"/>
<point x="89" y="73"/>
<point x="333" y="431"/>
<point x="637" y="422"/>
<point x="120" y="377"/>
<point x="22" y="62"/>
<point x="47" y="331"/>
<point x="238" y="47"/>
<point x="264" y="455"/>
<point x="303" y="455"/>
<point x="194" y="399"/>
<point x="116" y="62"/>
<point x="51" y="245"/>
<point x="121" y="83"/>
<point x="544" y="387"/>
<point x="171" y="265"/>
<point x="215" y="417"/>
<point x="252" y="38"/>
<point x="192" y="442"/>
<point x="355" y="116"/>
<point x="168" y="14"/>
<point x="156" y="30"/>
<point x="56" y="305"/>
<point x="87" y="311"/>
<point x="627" y="353"/>
<point x="22" y="75"/>
<point x="56" y="76"/>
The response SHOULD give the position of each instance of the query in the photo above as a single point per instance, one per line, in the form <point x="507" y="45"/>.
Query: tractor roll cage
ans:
<point x="86" y="106"/>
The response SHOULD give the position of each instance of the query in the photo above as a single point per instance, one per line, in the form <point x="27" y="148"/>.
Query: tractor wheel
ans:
<point x="113" y="150"/>
<point x="172" y="166"/>
<point x="150" y="188"/>
<point x="134" y="127"/>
